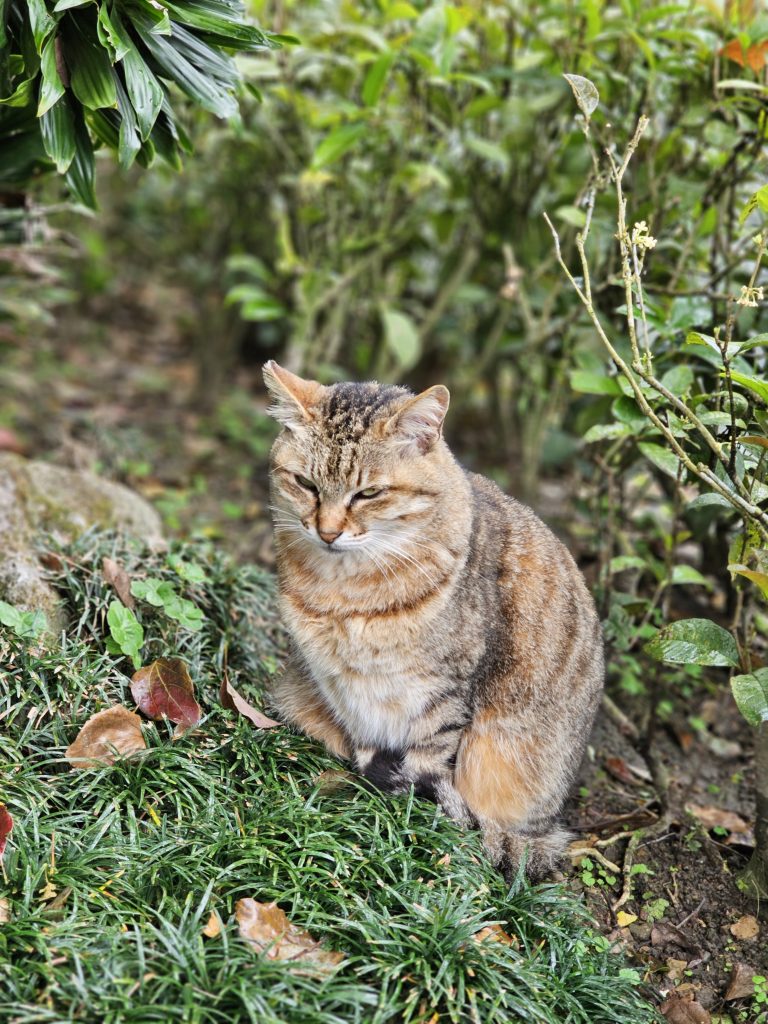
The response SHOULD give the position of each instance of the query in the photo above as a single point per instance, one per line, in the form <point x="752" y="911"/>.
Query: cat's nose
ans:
<point x="329" y="536"/>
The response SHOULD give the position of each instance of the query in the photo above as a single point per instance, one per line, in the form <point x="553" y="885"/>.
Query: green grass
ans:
<point x="151" y="845"/>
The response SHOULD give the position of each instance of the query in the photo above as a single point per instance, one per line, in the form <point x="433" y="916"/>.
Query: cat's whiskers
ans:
<point x="386" y="547"/>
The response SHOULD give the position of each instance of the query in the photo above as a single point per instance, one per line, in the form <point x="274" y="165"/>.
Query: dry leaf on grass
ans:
<point x="683" y="1009"/>
<point x="717" y="817"/>
<point x="495" y="933"/>
<point x="231" y="699"/>
<point x="741" y="985"/>
<point x="164" y="690"/>
<point x="265" y="927"/>
<point x="6" y="827"/>
<point x="746" y="927"/>
<point x="665" y="934"/>
<point x="115" y="727"/>
<point x="332" y="780"/>
<point x="5" y="911"/>
<point x="624" y="920"/>
<point x="115" y="575"/>
<point x="213" y="926"/>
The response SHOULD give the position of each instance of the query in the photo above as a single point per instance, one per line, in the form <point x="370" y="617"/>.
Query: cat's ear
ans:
<point x="419" y="423"/>
<point x="292" y="396"/>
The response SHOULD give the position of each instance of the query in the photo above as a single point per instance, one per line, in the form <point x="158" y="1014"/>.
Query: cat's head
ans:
<point x="357" y="466"/>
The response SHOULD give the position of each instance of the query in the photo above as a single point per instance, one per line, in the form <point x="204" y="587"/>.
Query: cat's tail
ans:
<point x="538" y="851"/>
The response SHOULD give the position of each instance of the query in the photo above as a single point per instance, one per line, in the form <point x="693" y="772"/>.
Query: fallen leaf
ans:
<point x="58" y="901"/>
<point x="717" y="817"/>
<point x="265" y="927"/>
<point x="445" y="860"/>
<point x="231" y="699"/>
<point x="332" y="779"/>
<point x="6" y="827"/>
<point x="746" y="927"/>
<point x="665" y="934"/>
<point x="48" y="892"/>
<point x="115" y="727"/>
<point x="164" y="690"/>
<point x="11" y="442"/>
<point x="619" y="769"/>
<point x="213" y="927"/>
<point x="741" y="985"/>
<point x="5" y="911"/>
<point x="115" y="575"/>
<point x="676" y="968"/>
<point x="683" y="1009"/>
<point x="495" y="933"/>
<point x="624" y="920"/>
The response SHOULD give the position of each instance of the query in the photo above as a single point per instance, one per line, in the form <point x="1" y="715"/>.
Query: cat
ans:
<point x="442" y="637"/>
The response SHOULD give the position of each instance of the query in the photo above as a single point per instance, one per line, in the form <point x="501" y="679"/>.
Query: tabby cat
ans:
<point x="442" y="637"/>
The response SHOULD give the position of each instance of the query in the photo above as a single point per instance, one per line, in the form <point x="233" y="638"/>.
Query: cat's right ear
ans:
<point x="292" y="396"/>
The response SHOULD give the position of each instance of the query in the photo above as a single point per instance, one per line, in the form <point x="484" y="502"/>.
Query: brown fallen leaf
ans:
<point x="683" y="1009"/>
<point x="495" y="933"/>
<point x="332" y="780"/>
<point x="6" y="827"/>
<point x="676" y="968"/>
<point x="231" y="699"/>
<point x="747" y="927"/>
<point x="740" y="984"/>
<point x="213" y="926"/>
<point x="665" y="934"/>
<point x="5" y="910"/>
<point x="115" y="575"/>
<point x="58" y="901"/>
<point x="265" y="927"/>
<point x="11" y="442"/>
<point x="625" y="772"/>
<point x="718" y="817"/>
<point x="164" y="690"/>
<point x="115" y="727"/>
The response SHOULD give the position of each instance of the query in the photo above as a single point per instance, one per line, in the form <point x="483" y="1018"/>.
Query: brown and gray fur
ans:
<point x="442" y="637"/>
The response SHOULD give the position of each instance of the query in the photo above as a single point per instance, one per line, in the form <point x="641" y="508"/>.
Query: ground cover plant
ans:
<point x="111" y="874"/>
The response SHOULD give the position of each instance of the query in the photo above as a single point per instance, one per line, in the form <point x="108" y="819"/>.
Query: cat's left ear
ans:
<point x="292" y="396"/>
<point x="419" y="423"/>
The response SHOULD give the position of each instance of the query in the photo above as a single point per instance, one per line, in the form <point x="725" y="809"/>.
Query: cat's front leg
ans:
<point x="295" y="700"/>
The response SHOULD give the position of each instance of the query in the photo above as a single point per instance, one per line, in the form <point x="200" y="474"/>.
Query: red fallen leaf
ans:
<point x="683" y="1009"/>
<point x="164" y="690"/>
<point x="265" y="927"/>
<point x="116" y="728"/>
<point x="755" y="56"/>
<point x="10" y="442"/>
<point x="6" y="827"/>
<point x="718" y="817"/>
<point x="231" y="699"/>
<point x="495" y="933"/>
<point x="115" y="575"/>
<point x="619" y="769"/>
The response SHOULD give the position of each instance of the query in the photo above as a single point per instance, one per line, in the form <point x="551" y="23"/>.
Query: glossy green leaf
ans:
<point x="51" y="85"/>
<point x="662" y="458"/>
<point x="144" y="90"/>
<point x="91" y="78"/>
<point x="687" y="575"/>
<point x="65" y="5"/>
<point x="221" y="21"/>
<point x="22" y="95"/>
<point x="129" y="135"/>
<point x="41" y="21"/>
<point x="336" y="144"/>
<point x="694" y="642"/>
<point x="757" y="385"/>
<point x="115" y="42"/>
<point x="126" y="631"/>
<point x="80" y="176"/>
<point x="750" y="691"/>
<point x="57" y="127"/>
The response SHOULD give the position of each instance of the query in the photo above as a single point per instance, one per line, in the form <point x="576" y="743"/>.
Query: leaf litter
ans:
<point x="234" y="701"/>
<point x="268" y="930"/>
<point x="164" y="690"/>
<point x="109" y="734"/>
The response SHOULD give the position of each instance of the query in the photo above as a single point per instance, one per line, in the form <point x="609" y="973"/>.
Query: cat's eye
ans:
<point x="306" y="483"/>
<point x="369" y="492"/>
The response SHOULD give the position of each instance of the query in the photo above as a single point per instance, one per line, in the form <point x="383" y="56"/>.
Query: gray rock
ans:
<point x="39" y="498"/>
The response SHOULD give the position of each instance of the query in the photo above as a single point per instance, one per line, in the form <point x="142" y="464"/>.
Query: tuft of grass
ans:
<point x="112" y="873"/>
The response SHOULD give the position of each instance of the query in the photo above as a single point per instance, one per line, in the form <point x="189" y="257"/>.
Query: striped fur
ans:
<point x="442" y="636"/>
